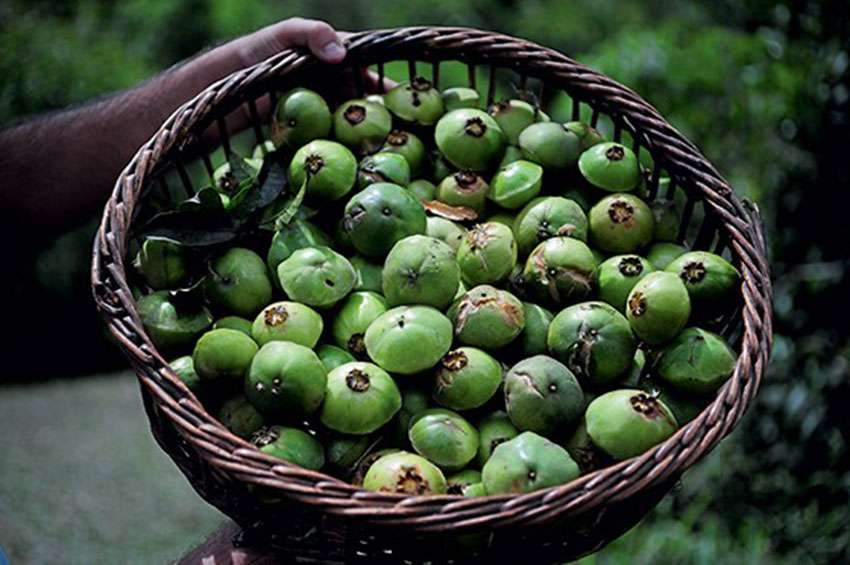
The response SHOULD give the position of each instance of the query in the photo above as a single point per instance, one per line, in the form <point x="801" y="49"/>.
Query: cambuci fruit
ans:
<point x="625" y="423"/>
<point x="527" y="463"/>
<point x="542" y="395"/>
<point x="470" y="139"/>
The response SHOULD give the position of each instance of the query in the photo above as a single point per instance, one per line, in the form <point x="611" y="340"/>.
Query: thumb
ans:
<point x="318" y="36"/>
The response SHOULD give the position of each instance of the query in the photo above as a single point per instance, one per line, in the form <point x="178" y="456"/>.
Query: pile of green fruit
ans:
<point x="421" y="296"/>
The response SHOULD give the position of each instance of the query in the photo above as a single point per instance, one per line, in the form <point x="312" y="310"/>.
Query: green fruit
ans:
<point x="685" y="407"/>
<point x="238" y="283"/>
<point x="344" y="451"/>
<point x="375" y="99"/>
<point x="444" y="437"/>
<point x="466" y="378"/>
<point x="383" y="167"/>
<point x="415" y="101"/>
<point x="262" y="149"/>
<point x="625" y="423"/>
<point x="460" y="97"/>
<point x="666" y="221"/>
<point x="621" y="223"/>
<point x="354" y="316"/>
<point x="368" y="460"/>
<point x="169" y="323"/>
<point x="409" y="339"/>
<point x="287" y="321"/>
<point x="470" y="139"/>
<point x="487" y="317"/>
<point x="584" y="452"/>
<point x="516" y="184"/>
<point x="291" y="237"/>
<point x="380" y="215"/>
<point x="292" y="445"/>
<point x="238" y="416"/>
<point x="162" y="263"/>
<point x="300" y="116"/>
<point x="550" y="145"/>
<point x="420" y="270"/>
<point x="317" y="276"/>
<point x="332" y="356"/>
<point x="561" y="269"/>
<point x="532" y="340"/>
<point x="584" y="196"/>
<point x="423" y="189"/>
<point x="503" y="218"/>
<point x="618" y="275"/>
<point x="461" y="483"/>
<point x="610" y="166"/>
<point x="586" y="134"/>
<point x="709" y="278"/>
<point x="464" y="188"/>
<point x="184" y="368"/>
<point x="513" y="116"/>
<point x="328" y="168"/>
<point x="224" y="181"/>
<point x="234" y="323"/>
<point x="487" y="254"/>
<point x="360" y="398"/>
<point x="547" y="217"/>
<point x="223" y="354"/>
<point x="413" y="401"/>
<point x="662" y="254"/>
<point x="697" y="361"/>
<point x="658" y="307"/>
<point x="512" y="155"/>
<point x="362" y="126"/>
<point x="285" y="379"/>
<point x="408" y="146"/>
<point x="446" y="231"/>
<point x="405" y="473"/>
<point x="527" y="463"/>
<point x="593" y="340"/>
<point x="440" y="167"/>
<point x="368" y="274"/>
<point x="632" y="377"/>
<point x="542" y="395"/>
<point x="493" y="430"/>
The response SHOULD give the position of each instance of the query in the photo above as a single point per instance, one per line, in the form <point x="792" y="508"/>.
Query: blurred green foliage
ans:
<point x="761" y="86"/>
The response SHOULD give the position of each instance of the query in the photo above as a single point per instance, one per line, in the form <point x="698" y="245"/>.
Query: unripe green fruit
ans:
<point x="470" y="139"/>
<point x="513" y="116"/>
<point x="168" y="325"/>
<point x="223" y="354"/>
<point x="487" y="317"/>
<point x="238" y="416"/>
<point x="593" y="340"/>
<point x="360" y="398"/>
<point x="684" y="406"/>
<point x="550" y="145"/>
<point x="420" y="270"/>
<point x="610" y="166"/>
<point x="586" y="134"/>
<point x="621" y="223"/>
<point x="662" y="254"/>
<point x="383" y="167"/>
<point x="440" y="167"/>
<point x="234" y="323"/>
<point x="413" y="401"/>
<point x="329" y="169"/>
<point x="493" y="430"/>
<point x="503" y="218"/>
<point x="380" y="215"/>
<point x="408" y="146"/>
<point x="300" y="116"/>
<point x="423" y="189"/>
<point x="293" y="236"/>
<point x="583" y="451"/>
<point x="368" y="274"/>
<point x="446" y="231"/>
<point x="462" y="483"/>
<point x="162" y="263"/>
<point x="542" y="395"/>
<point x="697" y="361"/>
<point x="362" y="126"/>
<point x="409" y="339"/>
<point x="666" y="221"/>
<point x="460" y="97"/>
<point x="487" y="254"/>
<point x="344" y="451"/>
<point x="405" y="473"/>
<point x="516" y="184"/>
<point x="224" y="180"/>
<point x="415" y="101"/>
<point x="464" y="188"/>
<point x="262" y="149"/>
<point x="709" y="278"/>
<point x="625" y="423"/>
<point x="532" y="340"/>
<point x="618" y="275"/>
<point x="354" y="316"/>
<point x="527" y="463"/>
<point x="184" y="368"/>
<point x="547" y="217"/>
<point x="561" y="269"/>
<point x="658" y="307"/>
<point x="370" y="459"/>
<point x="584" y="196"/>
<point x="444" y="437"/>
<point x="466" y="378"/>
<point x="317" y="276"/>
<point x="238" y="283"/>
<point x="292" y="445"/>
<point x="332" y="356"/>
<point x="284" y="380"/>
<point x="512" y="155"/>
<point x="287" y="321"/>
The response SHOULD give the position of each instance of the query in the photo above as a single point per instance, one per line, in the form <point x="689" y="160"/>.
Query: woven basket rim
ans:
<point x="233" y="455"/>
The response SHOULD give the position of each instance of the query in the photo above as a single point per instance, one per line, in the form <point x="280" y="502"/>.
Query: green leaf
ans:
<point x="271" y="183"/>
<point x="206" y="201"/>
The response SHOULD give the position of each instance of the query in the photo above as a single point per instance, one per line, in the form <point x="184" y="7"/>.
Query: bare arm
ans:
<point x="59" y="169"/>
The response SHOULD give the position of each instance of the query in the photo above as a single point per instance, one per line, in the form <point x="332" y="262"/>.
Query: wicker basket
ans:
<point x="318" y="517"/>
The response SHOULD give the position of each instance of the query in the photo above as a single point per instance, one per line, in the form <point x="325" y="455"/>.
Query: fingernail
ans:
<point x="333" y="50"/>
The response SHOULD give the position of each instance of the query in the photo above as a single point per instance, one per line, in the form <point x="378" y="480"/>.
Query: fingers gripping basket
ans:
<point x="314" y="516"/>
